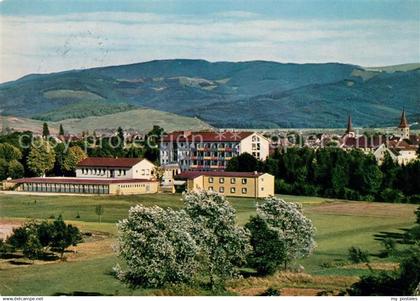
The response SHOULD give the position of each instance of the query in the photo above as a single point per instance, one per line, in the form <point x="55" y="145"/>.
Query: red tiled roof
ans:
<point x="195" y="174"/>
<point x="401" y="145"/>
<point x="73" y="180"/>
<point x="109" y="162"/>
<point x="363" y="142"/>
<point x="205" y="136"/>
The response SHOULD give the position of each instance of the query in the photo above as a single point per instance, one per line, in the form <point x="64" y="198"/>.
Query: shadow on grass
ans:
<point x="15" y="262"/>
<point x="10" y="256"/>
<point x="80" y="293"/>
<point x="399" y="237"/>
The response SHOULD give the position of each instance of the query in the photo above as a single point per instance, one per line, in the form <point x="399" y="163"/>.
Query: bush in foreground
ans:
<point x="279" y="234"/>
<point x="157" y="247"/>
<point x="162" y="246"/>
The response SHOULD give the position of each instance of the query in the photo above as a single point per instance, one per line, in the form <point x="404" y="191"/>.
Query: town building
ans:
<point x="167" y="183"/>
<point x="117" y="176"/>
<point x="234" y="184"/>
<point x="210" y="150"/>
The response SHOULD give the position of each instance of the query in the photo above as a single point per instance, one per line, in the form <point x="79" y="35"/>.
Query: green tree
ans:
<point x="64" y="236"/>
<point x="3" y="169"/>
<point x="45" y="130"/>
<point x="15" y="170"/>
<point x="151" y="143"/>
<point x="99" y="211"/>
<point x="390" y="170"/>
<point x="41" y="157"/>
<point x="26" y="239"/>
<point x="59" y="150"/>
<point x="73" y="156"/>
<point x="268" y="250"/>
<point x="9" y="152"/>
<point x="244" y="163"/>
<point x="61" y="130"/>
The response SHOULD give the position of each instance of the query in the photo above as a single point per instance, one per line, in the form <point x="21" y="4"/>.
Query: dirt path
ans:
<point x="6" y="227"/>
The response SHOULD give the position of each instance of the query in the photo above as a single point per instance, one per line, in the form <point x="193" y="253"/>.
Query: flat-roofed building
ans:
<point x="238" y="184"/>
<point x="117" y="176"/>
<point x="210" y="150"/>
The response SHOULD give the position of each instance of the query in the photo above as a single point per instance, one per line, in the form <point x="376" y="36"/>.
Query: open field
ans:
<point x="138" y="119"/>
<point x="340" y="224"/>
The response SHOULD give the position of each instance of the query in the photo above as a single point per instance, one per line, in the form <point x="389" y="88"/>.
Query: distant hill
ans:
<point x="140" y="120"/>
<point x="225" y="94"/>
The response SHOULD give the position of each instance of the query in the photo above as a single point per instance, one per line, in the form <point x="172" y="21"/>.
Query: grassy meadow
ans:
<point x="340" y="225"/>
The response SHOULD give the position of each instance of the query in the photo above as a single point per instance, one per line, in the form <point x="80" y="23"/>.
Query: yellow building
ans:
<point x="239" y="184"/>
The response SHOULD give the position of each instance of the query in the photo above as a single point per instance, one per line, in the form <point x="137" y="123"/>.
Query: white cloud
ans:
<point x="33" y="44"/>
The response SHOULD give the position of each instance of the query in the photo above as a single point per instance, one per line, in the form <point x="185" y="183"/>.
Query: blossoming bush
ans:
<point x="157" y="247"/>
<point x="203" y="242"/>
<point x="296" y="229"/>
<point x="223" y="245"/>
<point x="280" y="233"/>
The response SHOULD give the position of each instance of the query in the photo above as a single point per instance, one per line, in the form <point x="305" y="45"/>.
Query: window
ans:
<point x="221" y="189"/>
<point x="221" y="180"/>
<point x="244" y="190"/>
<point x="262" y="188"/>
<point x="232" y="180"/>
<point x="211" y="180"/>
<point x="232" y="190"/>
<point x="243" y="181"/>
<point x="211" y="188"/>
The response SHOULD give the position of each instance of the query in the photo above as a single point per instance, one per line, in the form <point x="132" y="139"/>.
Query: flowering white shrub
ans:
<point x="223" y="245"/>
<point x="157" y="247"/>
<point x="293" y="228"/>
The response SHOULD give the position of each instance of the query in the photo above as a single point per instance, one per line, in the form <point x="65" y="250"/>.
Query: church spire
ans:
<point x="349" y="125"/>
<point x="403" y="121"/>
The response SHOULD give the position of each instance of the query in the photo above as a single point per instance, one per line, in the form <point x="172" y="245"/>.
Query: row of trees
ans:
<point x="203" y="243"/>
<point x="21" y="155"/>
<point x="333" y="172"/>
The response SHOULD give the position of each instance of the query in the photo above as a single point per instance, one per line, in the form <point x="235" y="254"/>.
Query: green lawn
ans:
<point x="340" y="224"/>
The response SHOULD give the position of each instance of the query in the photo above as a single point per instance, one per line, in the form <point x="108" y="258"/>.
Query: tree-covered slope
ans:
<point x="243" y="94"/>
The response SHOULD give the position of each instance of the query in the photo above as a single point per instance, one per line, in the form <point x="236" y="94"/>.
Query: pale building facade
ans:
<point x="122" y="168"/>
<point x="210" y="150"/>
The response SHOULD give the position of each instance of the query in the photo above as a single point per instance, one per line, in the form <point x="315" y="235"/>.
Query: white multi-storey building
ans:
<point x="210" y="150"/>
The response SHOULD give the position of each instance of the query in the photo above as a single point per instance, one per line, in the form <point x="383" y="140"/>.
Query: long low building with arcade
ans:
<point x="117" y="176"/>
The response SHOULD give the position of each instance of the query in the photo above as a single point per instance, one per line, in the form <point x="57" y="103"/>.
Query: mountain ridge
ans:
<point x="235" y="94"/>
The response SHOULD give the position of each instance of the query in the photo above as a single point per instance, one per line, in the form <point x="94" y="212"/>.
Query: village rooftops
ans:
<point x="188" y="136"/>
<point x="194" y="174"/>
<point x="109" y="162"/>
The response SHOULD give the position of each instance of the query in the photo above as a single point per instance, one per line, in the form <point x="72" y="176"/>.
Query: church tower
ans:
<point x="350" y="131"/>
<point x="404" y="128"/>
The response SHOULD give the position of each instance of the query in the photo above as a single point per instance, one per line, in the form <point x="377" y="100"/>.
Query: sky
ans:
<point x="43" y="36"/>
